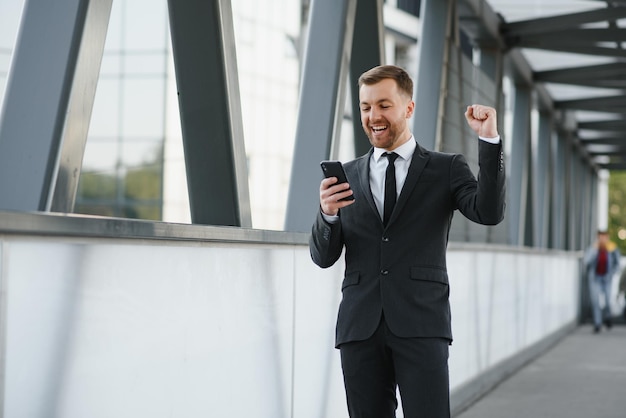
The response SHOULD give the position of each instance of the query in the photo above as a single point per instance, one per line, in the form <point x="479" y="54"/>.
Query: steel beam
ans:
<point x="541" y="185"/>
<point x="517" y="189"/>
<point x="585" y="50"/>
<point x="607" y="76"/>
<point x="481" y="23"/>
<point x="552" y="23"/>
<point x="620" y="166"/>
<point x="367" y="52"/>
<point x="570" y="37"/>
<point x="561" y="192"/>
<point x="576" y="185"/>
<point x="574" y="208"/>
<point x="205" y="62"/>
<point x="80" y="105"/>
<point x="48" y="102"/>
<point x="605" y="143"/>
<point x="615" y="71"/>
<point x="557" y="220"/>
<point x="605" y="83"/>
<point x="587" y="204"/>
<point x="611" y="150"/>
<point x="325" y="68"/>
<point x="611" y="104"/>
<point x="604" y="125"/>
<point x="430" y="70"/>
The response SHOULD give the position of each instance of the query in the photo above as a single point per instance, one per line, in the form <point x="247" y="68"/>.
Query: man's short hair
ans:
<point x="377" y="74"/>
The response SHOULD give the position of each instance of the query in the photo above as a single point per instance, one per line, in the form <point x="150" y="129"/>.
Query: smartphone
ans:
<point x="335" y="169"/>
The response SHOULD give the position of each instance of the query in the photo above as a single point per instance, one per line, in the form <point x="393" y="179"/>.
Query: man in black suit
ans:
<point x="393" y="327"/>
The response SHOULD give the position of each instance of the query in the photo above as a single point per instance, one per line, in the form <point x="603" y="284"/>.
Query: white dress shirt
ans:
<point x="378" y="166"/>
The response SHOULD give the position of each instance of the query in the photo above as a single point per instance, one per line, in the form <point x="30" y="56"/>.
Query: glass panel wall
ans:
<point x="122" y="172"/>
<point x="133" y="164"/>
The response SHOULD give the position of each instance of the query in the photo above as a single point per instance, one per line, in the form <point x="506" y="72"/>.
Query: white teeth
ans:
<point x="378" y="128"/>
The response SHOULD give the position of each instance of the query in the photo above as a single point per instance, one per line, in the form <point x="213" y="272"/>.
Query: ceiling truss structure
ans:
<point x="600" y="119"/>
<point x="595" y="32"/>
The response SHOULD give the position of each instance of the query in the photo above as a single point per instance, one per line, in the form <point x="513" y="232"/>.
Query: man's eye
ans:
<point x="365" y="109"/>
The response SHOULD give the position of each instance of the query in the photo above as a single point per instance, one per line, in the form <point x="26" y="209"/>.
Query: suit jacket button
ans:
<point x="385" y="239"/>
<point x="384" y="272"/>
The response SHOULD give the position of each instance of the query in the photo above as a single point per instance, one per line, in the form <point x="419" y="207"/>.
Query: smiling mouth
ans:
<point x="378" y="129"/>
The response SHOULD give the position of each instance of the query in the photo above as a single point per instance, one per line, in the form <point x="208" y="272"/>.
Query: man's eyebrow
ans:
<point x="378" y="101"/>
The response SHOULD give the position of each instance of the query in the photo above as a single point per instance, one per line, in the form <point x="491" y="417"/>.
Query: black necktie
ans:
<point x="390" y="187"/>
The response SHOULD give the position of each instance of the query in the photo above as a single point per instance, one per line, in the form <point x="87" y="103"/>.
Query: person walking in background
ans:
<point x="601" y="262"/>
<point x="393" y="326"/>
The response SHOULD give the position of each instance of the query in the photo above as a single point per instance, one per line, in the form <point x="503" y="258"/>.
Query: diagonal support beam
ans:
<point x="210" y="111"/>
<point x="80" y="105"/>
<point x="367" y="52"/>
<point x="433" y="51"/>
<point x="325" y="68"/>
<point x="52" y="81"/>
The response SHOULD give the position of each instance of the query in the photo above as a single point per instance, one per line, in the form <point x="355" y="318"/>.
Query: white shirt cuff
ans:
<point x="331" y="219"/>
<point x="494" y="140"/>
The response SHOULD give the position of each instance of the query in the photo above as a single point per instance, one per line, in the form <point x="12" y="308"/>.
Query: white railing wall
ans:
<point x="140" y="327"/>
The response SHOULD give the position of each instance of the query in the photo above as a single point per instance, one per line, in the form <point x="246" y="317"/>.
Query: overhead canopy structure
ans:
<point x="461" y="52"/>
<point x="598" y="107"/>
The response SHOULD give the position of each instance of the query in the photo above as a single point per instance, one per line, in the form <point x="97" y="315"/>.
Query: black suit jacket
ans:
<point x="401" y="269"/>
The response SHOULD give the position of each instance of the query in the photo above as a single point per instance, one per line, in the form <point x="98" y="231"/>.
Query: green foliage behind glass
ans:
<point x="617" y="209"/>
<point x="136" y="195"/>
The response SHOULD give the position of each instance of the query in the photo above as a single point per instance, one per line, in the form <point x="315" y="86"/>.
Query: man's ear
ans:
<point x="409" y="109"/>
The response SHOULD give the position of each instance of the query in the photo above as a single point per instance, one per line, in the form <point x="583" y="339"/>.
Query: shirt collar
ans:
<point x="405" y="151"/>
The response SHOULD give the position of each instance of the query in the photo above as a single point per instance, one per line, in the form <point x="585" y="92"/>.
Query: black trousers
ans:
<point x="373" y="368"/>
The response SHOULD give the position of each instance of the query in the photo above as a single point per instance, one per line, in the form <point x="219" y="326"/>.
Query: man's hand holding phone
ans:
<point x="335" y="192"/>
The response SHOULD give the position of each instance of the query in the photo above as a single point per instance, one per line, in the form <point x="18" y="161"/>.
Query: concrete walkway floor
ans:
<point x="582" y="376"/>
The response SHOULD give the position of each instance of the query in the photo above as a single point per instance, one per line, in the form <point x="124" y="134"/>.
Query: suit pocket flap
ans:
<point x="431" y="274"/>
<point x="350" y="280"/>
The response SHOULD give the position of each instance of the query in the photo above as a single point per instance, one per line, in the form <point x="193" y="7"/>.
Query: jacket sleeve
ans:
<point x="482" y="200"/>
<point x="325" y="243"/>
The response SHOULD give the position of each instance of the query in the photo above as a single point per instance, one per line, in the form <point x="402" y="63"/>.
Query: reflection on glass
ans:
<point x="122" y="180"/>
<point x="122" y="172"/>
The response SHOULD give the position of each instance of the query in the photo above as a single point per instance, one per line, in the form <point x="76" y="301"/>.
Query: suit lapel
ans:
<point x="364" y="180"/>
<point x="418" y="162"/>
